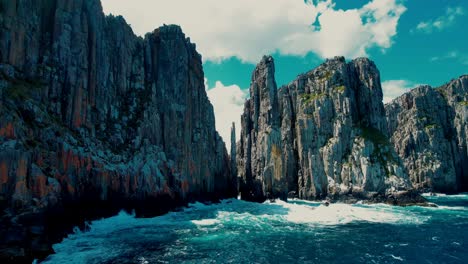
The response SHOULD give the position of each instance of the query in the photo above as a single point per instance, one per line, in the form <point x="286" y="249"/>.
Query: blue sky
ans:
<point x="411" y="57"/>
<point x="412" y="41"/>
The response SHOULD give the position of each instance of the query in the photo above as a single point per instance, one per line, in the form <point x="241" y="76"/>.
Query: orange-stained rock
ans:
<point x="40" y="160"/>
<point x="192" y="167"/>
<point x="185" y="186"/>
<point x="40" y="188"/>
<point x="8" y="131"/>
<point x="3" y="172"/>
<point x="70" y="189"/>
<point x="22" y="168"/>
<point x="21" y="194"/>
<point x="89" y="164"/>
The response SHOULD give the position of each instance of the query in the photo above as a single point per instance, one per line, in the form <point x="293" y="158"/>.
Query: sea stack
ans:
<point x="328" y="134"/>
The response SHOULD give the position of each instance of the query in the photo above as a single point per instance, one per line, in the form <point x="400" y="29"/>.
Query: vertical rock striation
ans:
<point x="93" y="117"/>
<point x="261" y="137"/>
<point x="429" y="131"/>
<point x="328" y="134"/>
<point x="233" y="152"/>
<point x="324" y="134"/>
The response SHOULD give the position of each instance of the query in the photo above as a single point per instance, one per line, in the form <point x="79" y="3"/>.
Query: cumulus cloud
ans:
<point x="248" y="29"/>
<point x="228" y="103"/>
<point x="441" y="22"/>
<point x="394" y="88"/>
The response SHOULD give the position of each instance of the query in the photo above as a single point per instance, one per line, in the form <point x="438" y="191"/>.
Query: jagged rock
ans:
<point x="429" y="132"/>
<point x="338" y="140"/>
<point x="261" y="138"/>
<point x="92" y="116"/>
<point x="324" y="134"/>
<point x="233" y="151"/>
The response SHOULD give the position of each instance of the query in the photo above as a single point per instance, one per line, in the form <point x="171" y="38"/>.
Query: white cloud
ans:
<point x="248" y="29"/>
<point x="394" y="88"/>
<point x="228" y="103"/>
<point x="452" y="55"/>
<point x="442" y="22"/>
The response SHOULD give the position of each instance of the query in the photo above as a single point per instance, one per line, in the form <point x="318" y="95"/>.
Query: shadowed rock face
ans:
<point x="94" y="119"/>
<point x="324" y="134"/>
<point x="429" y="129"/>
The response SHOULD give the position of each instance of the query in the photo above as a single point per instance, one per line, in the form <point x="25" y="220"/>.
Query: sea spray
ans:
<point x="297" y="231"/>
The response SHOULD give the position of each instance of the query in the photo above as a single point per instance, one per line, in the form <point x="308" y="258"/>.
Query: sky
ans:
<point x="412" y="42"/>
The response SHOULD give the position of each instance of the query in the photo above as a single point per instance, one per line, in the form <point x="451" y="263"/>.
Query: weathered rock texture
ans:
<point x="93" y="117"/>
<point x="324" y="134"/>
<point x="233" y="153"/>
<point x="260" y="151"/>
<point x="429" y="129"/>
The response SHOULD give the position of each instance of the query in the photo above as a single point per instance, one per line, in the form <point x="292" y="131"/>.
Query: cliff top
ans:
<point x="425" y="89"/>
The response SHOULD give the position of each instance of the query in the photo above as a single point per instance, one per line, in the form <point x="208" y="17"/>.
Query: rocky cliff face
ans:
<point x="429" y="129"/>
<point x="93" y="117"/>
<point x="260" y="150"/>
<point x="328" y="134"/>
<point x="324" y="134"/>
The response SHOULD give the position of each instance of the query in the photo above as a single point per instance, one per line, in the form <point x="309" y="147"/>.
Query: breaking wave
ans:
<point x="239" y="231"/>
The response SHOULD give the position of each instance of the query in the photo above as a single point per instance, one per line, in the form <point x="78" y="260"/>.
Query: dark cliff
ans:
<point x="94" y="119"/>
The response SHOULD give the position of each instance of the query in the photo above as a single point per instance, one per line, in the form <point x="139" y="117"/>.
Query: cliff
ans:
<point x="429" y="129"/>
<point x="322" y="135"/>
<point x="328" y="135"/>
<point x="94" y="119"/>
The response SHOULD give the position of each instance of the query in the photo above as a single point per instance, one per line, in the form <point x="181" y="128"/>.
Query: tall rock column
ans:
<point x="233" y="151"/>
<point x="262" y="167"/>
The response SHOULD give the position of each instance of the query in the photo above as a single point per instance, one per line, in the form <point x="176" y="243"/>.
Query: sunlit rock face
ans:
<point x="328" y="134"/>
<point x="260" y="152"/>
<point x="429" y="129"/>
<point x="324" y="134"/>
<point x="93" y="115"/>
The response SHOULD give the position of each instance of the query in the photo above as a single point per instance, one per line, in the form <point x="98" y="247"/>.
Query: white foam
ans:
<point x="233" y="217"/>
<point x="457" y="196"/>
<point x="433" y="194"/>
<point x="337" y="214"/>
<point x="142" y="260"/>
<point x="454" y="196"/>
<point x="206" y="222"/>
<point x="451" y="208"/>
<point x="397" y="257"/>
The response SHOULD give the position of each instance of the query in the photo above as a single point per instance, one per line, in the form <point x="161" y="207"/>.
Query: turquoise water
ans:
<point x="296" y="232"/>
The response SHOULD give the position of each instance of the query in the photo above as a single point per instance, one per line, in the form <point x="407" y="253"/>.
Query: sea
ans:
<point x="296" y="231"/>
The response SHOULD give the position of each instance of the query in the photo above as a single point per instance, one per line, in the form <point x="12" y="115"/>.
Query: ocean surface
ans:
<point x="295" y="232"/>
